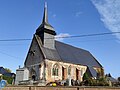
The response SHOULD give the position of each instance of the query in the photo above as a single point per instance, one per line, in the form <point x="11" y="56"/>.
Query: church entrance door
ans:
<point x="77" y="74"/>
<point x="64" y="73"/>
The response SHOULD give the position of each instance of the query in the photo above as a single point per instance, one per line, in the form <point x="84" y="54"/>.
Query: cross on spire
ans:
<point x="45" y="17"/>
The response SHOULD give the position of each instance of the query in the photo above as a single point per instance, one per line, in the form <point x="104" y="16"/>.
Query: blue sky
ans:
<point x="19" y="19"/>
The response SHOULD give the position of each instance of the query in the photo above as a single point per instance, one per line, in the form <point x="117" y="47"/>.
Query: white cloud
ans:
<point x="61" y="36"/>
<point x="54" y="15"/>
<point x="78" y="14"/>
<point x="110" y="14"/>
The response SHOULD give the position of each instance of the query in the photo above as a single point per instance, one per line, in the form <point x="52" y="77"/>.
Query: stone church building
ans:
<point x="50" y="60"/>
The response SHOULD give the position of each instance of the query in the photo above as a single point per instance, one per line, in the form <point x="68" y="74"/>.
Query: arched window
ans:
<point x="32" y="73"/>
<point x="69" y="70"/>
<point x="82" y="72"/>
<point x="55" y="70"/>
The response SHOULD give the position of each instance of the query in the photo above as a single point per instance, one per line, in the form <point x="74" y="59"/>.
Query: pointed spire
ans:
<point x="45" y="26"/>
<point x="45" y="17"/>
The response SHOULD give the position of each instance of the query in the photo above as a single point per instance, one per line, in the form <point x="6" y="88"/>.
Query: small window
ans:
<point x="69" y="70"/>
<point x="81" y="72"/>
<point x="55" y="70"/>
<point x="39" y="66"/>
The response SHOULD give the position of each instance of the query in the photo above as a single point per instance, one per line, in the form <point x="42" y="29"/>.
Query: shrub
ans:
<point x="88" y="81"/>
<point x="8" y="79"/>
<point x="102" y="82"/>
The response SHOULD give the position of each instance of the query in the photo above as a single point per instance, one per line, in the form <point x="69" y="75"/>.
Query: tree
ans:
<point x="86" y="76"/>
<point x="8" y="70"/>
<point x="1" y="77"/>
<point x="8" y="79"/>
<point x="102" y="82"/>
<point x="88" y="81"/>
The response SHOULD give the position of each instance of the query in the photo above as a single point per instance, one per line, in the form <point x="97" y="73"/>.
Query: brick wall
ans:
<point x="58" y="88"/>
<point x="16" y="88"/>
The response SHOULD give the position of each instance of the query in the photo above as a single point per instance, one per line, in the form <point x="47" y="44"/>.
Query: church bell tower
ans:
<point x="46" y="32"/>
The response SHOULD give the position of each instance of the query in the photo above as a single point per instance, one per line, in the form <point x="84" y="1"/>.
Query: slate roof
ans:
<point x="9" y="74"/>
<point x="71" y="54"/>
<point x="113" y="80"/>
<point x="75" y="55"/>
<point x="92" y="71"/>
<point x="51" y="54"/>
<point x="2" y="70"/>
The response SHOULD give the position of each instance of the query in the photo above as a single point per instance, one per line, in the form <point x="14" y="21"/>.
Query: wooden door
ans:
<point x="64" y="73"/>
<point x="77" y="74"/>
